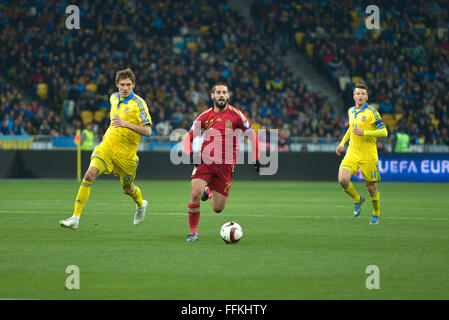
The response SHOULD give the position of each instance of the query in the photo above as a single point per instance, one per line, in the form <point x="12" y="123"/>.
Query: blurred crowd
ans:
<point x="20" y="118"/>
<point x="179" y="49"/>
<point x="405" y="64"/>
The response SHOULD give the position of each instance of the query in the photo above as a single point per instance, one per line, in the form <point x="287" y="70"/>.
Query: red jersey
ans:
<point x="221" y="135"/>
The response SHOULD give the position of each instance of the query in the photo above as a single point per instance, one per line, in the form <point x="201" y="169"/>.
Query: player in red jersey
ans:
<point x="221" y="126"/>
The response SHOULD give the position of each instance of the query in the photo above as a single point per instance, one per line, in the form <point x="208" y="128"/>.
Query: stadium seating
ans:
<point x="172" y="66"/>
<point x="298" y="37"/>
<point x="309" y="50"/>
<point x="403" y="57"/>
<point x="99" y="115"/>
<point x="42" y="90"/>
<point x="87" y="117"/>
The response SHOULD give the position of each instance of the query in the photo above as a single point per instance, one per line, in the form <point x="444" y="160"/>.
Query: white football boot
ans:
<point x="71" y="223"/>
<point x="140" y="213"/>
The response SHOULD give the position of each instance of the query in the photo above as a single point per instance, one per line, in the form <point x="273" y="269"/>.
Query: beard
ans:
<point x="221" y="104"/>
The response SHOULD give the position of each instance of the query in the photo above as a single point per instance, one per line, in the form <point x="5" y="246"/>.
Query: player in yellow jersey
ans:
<point x="117" y="153"/>
<point x="365" y="126"/>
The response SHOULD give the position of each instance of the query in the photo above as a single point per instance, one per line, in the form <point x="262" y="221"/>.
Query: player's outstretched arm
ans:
<point x="342" y="143"/>
<point x="187" y="142"/>
<point x="194" y="132"/>
<point x="255" y="149"/>
<point x="381" y="133"/>
<point x="117" y="121"/>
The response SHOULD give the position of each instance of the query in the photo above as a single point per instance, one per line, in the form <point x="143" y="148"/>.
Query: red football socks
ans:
<point x="194" y="216"/>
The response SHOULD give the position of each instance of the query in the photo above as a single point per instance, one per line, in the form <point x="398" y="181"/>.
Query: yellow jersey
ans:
<point x="363" y="148"/>
<point x="133" y="109"/>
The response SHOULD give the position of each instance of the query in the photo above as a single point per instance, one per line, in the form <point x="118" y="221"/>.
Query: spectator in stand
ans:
<point x="444" y="136"/>
<point x="431" y="135"/>
<point x="17" y="128"/>
<point x="76" y="66"/>
<point x="408" y="63"/>
<point x="164" y="128"/>
<point x="177" y="79"/>
<point x="44" y="128"/>
<point x="4" y="131"/>
<point x="414" y="133"/>
<point x="386" y="106"/>
<point x="283" y="140"/>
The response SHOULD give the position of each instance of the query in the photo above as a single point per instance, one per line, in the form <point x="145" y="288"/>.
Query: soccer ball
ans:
<point x="231" y="232"/>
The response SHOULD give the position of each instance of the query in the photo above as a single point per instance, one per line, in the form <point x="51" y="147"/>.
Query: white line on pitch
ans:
<point x="17" y="299"/>
<point x="238" y="215"/>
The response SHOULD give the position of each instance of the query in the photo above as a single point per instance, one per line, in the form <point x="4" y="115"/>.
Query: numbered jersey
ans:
<point x="133" y="109"/>
<point x="363" y="148"/>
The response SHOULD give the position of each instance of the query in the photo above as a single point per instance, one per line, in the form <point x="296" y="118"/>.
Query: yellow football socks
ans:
<point x="350" y="190"/>
<point x="136" y="195"/>
<point x="376" y="204"/>
<point x="82" y="197"/>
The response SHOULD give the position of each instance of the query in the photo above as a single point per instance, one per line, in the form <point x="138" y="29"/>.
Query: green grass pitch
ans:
<point x="300" y="242"/>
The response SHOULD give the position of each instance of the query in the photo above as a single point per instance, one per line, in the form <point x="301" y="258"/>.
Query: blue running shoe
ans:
<point x="358" y="206"/>
<point x="193" y="236"/>
<point x="374" y="220"/>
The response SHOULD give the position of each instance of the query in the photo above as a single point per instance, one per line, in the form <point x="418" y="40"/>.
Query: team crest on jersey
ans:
<point x="228" y="124"/>
<point x="363" y="119"/>
<point x="126" y="110"/>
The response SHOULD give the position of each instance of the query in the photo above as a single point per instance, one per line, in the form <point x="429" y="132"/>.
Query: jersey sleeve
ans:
<point x="194" y="131"/>
<point x="350" y="111"/>
<point x="244" y="124"/>
<point x="144" y="114"/>
<point x="112" y="97"/>
<point x="378" y="123"/>
<point x="345" y="138"/>
<point x="199" y="124"/>
<point x="381" y="133"/>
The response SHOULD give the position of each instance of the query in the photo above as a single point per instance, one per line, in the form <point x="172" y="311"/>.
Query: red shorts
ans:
<point x="219" y="176"/>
